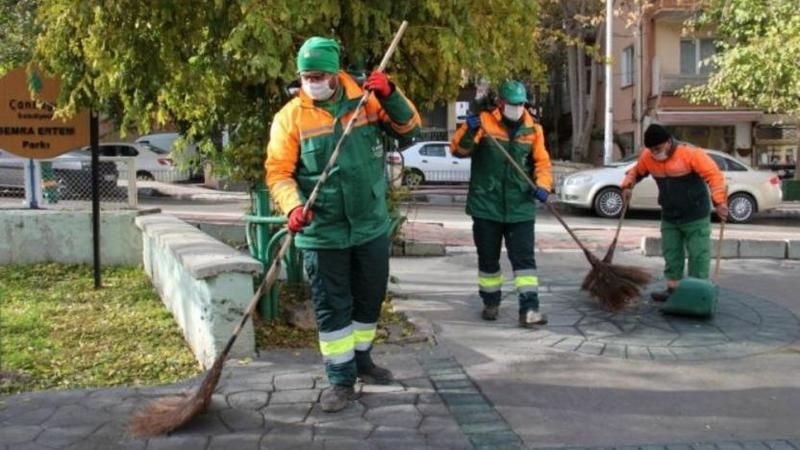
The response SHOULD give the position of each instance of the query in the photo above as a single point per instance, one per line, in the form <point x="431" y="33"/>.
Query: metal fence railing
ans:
<point x="66" y="182"/>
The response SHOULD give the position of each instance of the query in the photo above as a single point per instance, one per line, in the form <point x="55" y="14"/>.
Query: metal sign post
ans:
<point x="94" y="137"/>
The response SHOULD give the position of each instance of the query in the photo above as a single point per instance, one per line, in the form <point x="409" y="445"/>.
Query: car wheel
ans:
<point x="741" y="207"/>
<point x="144" y="176"/>
<point x="413" y="177"/>
<point x="608" y="202"/>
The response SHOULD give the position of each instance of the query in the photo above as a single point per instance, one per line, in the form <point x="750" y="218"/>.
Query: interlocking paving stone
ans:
<point x="496" y="440"/>
<point x="492" y="427"/>
<point x="356" y="428"/>
<point x="238" y="441"/>
<point x="294" y="396"/>
<point x="71" y="415"/>
<point x="416" y="443"/>
<point x="177" y="442"/>
<point x="58" y="437"/>
<point x="317" y="415"/>
<point x="241" y="419"/>
<point x="744" y="325"/>
<point x="16" y="434"/>
<point x="293" y="381"/>
<point x="405" y="416"/>
<point x="248" y="400"/>
<point x="286" y="413"/>
<point x="204" y="424"/>
<point x="451" y="440"/>
<point x="436" y="424"/>
<point x="393" y="398"/>
<point x="432" y="409"/>
<point x="348" y="444"/>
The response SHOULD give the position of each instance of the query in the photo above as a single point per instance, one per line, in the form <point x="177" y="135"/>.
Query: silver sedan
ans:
<point x="749" y="190"/>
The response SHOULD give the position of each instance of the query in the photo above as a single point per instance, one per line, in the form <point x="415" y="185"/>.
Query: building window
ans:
<point x="625" y="142"/>
<point x="711" y="137"/>
<point x="627" y="67"/>
<point x="695" y="54"/>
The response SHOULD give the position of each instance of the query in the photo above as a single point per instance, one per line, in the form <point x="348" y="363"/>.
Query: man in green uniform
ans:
<point x="501" y="201"/>
<point x="344" y="237"/>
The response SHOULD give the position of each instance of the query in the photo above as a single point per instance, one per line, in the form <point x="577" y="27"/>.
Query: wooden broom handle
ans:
<point x="719" y="249"/>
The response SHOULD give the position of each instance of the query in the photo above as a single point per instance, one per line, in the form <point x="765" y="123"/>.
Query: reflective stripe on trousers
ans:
<point x="490" y="282"/>
<point x="337" y="346"/>
<point x="526" y="280"/>
<point x="363" y="335"/>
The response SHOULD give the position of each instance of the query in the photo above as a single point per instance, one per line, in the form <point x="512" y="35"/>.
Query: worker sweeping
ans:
<point x="681" y="172"/>
<point x="501" y="201"/>
<point x="344" y="235"/>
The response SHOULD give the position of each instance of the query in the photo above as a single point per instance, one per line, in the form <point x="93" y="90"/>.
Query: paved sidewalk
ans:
<point x="267" y="404"/>
<point x="590" y="378"/>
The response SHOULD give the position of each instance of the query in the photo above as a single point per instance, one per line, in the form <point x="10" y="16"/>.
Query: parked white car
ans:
<point x="749" y="190"/>
<point x="72" y="172"/>
<point x="431" y="162"/>
<point x="152" y="163"/>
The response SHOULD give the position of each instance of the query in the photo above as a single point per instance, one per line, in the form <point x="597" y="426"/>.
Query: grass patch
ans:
<point x="281" y="334"/>
<point x="56" y="331"/>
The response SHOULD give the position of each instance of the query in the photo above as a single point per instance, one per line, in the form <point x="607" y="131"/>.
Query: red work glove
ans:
<point x="378" y="83"/>
<point x="296" y="219"/>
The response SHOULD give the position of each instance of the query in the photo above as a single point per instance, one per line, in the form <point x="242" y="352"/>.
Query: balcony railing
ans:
<point x="670" y="83"/>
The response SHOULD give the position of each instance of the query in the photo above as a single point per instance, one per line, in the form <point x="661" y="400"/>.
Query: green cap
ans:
<point x="513" y="92"/>
<point x="318" y="54"/>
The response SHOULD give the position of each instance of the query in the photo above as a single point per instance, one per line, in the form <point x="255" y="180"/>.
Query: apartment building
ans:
<point x="655" y="57"/>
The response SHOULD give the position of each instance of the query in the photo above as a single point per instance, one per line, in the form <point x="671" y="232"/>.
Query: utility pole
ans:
<point x="609" y="126"/>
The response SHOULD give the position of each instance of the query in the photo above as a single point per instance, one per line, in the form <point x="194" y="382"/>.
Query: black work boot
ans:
<point x="376" y="375"/>
<point x="490" y="312"/>
<point x="662" y="296"/>
<point x="336" y="397"/>
<point x="531" y="318"/>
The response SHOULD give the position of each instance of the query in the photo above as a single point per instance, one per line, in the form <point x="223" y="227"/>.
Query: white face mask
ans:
<point x="512" y="112"/>
<point x="319" y="90"/>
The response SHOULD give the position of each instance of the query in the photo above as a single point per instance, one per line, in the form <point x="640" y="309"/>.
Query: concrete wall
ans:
<point x="206" y="284"/>
<point x="737" y="248"/>
<point x="36" y="236"/>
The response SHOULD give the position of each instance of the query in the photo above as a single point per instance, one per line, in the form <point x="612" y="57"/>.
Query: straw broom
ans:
<point x="167" y="414"/>
<point x="630" y="279"/>
<point x="613" y="285"/>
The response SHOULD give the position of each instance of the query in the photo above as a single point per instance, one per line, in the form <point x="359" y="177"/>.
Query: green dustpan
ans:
<point x="695" y="297"/>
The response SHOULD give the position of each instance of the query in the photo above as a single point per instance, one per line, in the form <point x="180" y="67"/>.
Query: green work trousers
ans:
<point x="692" y="239"/>
<point x="488" y="236"/>
<point x="348" y="287"/>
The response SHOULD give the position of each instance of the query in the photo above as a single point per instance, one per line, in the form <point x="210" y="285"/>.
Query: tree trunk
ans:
<point x="588" y="125"/>
<point x="555" y="83"/>
<point x="581" y="74"/>
<point x="572" y="86"/>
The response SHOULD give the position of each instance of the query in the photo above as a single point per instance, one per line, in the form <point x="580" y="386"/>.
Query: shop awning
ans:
<point x="707" y="117"/>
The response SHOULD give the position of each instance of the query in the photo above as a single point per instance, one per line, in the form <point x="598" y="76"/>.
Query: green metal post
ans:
<point x="268" y="306"/>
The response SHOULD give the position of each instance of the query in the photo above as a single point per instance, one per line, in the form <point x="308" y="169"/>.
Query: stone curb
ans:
<point x="738" y="248"/>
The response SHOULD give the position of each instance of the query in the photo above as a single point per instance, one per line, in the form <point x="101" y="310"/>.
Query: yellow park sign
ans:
<point x="27" y="126"/>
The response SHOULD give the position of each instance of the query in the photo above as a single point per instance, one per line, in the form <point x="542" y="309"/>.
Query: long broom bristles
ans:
<point x="170" y="413"/>
<point x="614" y="285"/>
